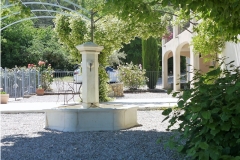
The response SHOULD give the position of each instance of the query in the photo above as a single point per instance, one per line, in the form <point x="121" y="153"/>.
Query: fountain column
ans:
<point x="90" y="80"/>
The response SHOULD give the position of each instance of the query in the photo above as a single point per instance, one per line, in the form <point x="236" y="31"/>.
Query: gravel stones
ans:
<point x="23" y="137"/>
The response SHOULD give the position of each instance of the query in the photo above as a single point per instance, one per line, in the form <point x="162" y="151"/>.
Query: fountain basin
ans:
<point x="78" y="119"/>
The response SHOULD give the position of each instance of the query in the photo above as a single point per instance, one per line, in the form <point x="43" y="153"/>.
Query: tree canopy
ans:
<point x="23" y="44"/>
<point x="225" y="14"/>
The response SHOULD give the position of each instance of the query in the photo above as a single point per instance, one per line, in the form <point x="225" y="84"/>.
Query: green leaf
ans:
<point x="212" y="125"/>
<point x="236" y="121"/>
<point x="167" y="111"/>
<point x="236" y="158"/>
<point x="224" y="117"/>
<point x="203" y="145"/>
<point x="214" y="72"/>
<point x="231" y="89"/>
<point x="204" y="155"/>
<point x="215" y="110"/>
<point x="165" y="118"/>
<point x="196" y="108"/>
<point x="175" y="94"/>
<point x="180" y="104"/>
<point x="186" y="95"/>
<point x="206" y="114"/>
<point x="214" y="131"/>
<point x="237" y="84"/>
<point x="238" y="141"/>
<point x="169" y="91"/>
<point x="226" y="126"/>
<point x="236" y="134"/>
<point x="180" y="148"/>
<point x="226" y="157"/>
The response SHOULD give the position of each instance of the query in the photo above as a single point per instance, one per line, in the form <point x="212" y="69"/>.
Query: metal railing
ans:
<point x="20" y="82"/>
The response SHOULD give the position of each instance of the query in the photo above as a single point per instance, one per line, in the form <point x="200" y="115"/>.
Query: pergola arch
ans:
<point x="49" y="11"/>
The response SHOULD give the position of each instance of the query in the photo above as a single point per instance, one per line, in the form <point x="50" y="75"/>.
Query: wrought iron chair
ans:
<point x="64" y="88"/>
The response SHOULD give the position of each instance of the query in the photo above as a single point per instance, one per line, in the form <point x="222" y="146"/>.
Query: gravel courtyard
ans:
<point x="23" y="137"/>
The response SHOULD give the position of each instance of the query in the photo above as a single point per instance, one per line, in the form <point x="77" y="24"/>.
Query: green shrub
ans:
<point x="132" y="76"/>
<point x="150" y="58"/>
<point x="208" y="115"/>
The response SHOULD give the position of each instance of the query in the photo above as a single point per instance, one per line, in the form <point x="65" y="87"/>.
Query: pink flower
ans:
<point x="30" y="65"/>
<point x="41" y="63"/>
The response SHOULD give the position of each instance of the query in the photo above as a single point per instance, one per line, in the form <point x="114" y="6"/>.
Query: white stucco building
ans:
<point x="179" y="45"/>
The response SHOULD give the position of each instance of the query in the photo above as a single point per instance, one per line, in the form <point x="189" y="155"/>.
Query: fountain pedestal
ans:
<point x="76" y="119"/>
<point x="90" y="116"/>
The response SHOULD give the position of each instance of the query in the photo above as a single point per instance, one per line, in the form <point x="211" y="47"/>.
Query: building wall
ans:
<point x="232" y="50"/>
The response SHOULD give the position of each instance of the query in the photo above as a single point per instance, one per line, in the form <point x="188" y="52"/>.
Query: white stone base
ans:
<point x="77" y="119"/>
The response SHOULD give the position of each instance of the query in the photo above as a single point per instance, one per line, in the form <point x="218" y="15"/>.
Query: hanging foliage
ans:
<point x="109" y="32"/>
<point x="206" y="42"/>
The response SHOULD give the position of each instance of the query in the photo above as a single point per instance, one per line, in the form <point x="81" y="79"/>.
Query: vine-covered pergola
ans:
<point x="47" y="10"/>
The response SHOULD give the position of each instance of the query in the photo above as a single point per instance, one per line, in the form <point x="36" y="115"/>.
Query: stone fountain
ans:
<point x="90" y="115"/>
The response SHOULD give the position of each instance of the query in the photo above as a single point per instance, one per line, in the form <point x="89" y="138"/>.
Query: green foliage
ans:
<point x="150" y="58"/>
<point x="47" y="78"/>
<point x="208" y="115"/>
<point x="132" y="76"/>
<point x="45" y="46"/>
<point x="39" y="87"/>
<point x="15" y="41"/>
<point x="206" y="42"/>
<point x="224" y="14"/>
<point x="116" y="58"/>
<point x="133" y="51"/>
<point x="2" y="92"/>
<point x="220" y="13"/>
<point x="109" y="32"/>
<point x="46" y="74"/>
<point x="23" y="43"/>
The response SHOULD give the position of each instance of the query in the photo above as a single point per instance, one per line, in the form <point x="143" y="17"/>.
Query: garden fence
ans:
<point x="20" y="82"/>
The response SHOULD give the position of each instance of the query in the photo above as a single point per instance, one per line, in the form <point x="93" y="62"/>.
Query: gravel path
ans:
<point x="23" y="137"/>
<point x="55" y="98"/>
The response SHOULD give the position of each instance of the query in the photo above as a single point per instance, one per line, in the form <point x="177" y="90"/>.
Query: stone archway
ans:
<point x="192" y="62"/>
<point x="165" y="71"/>
<point x="181" y="50"/>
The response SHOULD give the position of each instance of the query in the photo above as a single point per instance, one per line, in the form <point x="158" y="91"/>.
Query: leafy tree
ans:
<point x="45" y="46"/>
<point x="15" y="41"/>
<point x="24" y="44"/>
<point x="133" y="51"/>
<point x="206" y="42"/>
<point x="224" y="14"/>
<point x="116" y="58"/>
<point x="150" y="58"/>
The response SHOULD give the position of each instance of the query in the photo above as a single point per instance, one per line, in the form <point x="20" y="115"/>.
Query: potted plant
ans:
<point x="40" y="91"/>
<point x="4" y="97"/>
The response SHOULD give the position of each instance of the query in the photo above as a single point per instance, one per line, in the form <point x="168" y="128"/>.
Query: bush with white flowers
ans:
<point x="132" y="76"/>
